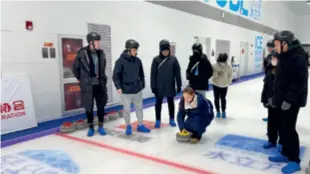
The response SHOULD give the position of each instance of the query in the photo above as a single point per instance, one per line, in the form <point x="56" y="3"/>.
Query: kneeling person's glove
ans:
<point x="285" y="106"/>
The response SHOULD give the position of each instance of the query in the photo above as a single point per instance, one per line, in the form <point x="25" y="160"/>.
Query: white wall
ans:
<point x="278" y="16"/>
<point x="302" y="25"/>
<point x="143" y="21"/>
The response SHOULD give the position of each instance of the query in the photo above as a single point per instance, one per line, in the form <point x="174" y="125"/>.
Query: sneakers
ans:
<point x="143" y="129"/>
<point x="265" y="119"/>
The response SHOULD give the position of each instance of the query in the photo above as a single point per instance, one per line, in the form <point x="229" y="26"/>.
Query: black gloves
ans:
<point x="266" y="105"/>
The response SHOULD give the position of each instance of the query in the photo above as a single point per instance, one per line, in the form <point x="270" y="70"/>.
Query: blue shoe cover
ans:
<point x="291" y="167"/>
<point x="91" y="132"/>
<point x="218" y="115"/>
<point x="265" y="119"/>
<point x="101" y="131"/>
<point x="142" y="128"/>
<point x="269" y="145"/>
<point x="157" y="124"/>
<point x="172" y="123"/>
<point x="224" y="115"/>
<point x="128" y="130"/>
<point x="279" y="147"/>
<point x="278" y="159"/>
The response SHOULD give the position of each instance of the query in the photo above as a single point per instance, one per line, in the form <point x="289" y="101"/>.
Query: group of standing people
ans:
<point x="285" y="91"/>
<point x="129" y="80"/>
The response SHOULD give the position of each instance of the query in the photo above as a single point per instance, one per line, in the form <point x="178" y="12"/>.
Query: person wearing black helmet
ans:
<point x="290" y="94"/>
<point x="267" y="64"/>
<point x="89" y="68"/>
<point x="128" y="78"/>
<point x="165" y="76"/>
<point x="199" y="70"/>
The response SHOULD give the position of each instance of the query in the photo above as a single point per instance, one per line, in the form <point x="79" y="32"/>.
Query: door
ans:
<point x="244" y="58"/>
<point x="222" y="46"/>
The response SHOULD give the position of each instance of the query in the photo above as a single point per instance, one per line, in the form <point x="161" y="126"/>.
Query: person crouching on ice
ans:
<point x="195" y="115"/>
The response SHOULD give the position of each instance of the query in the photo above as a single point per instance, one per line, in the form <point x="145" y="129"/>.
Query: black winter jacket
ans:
<point x="291" y="83"/>
<point x="128" y="74"/>
<point x="205" y="71"/>
<point x="165" y="76"/>
<point x="268" y="84"/>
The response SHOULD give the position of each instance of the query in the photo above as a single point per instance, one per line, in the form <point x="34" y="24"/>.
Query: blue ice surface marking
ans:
<point x="53" y="158"/>
<point x="250" y="144"/>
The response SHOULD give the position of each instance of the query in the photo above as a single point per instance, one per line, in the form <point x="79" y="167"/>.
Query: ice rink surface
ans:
<point x="231" y="146"/>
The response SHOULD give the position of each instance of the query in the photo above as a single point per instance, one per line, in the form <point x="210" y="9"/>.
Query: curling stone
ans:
<point x="120" y="113"/>
<point x="106" y="118"/>
<point x="182" y="137"/>
<point x="67" y="127"/>
<point x="81" y="124"/>
<point x="113" y="115"/>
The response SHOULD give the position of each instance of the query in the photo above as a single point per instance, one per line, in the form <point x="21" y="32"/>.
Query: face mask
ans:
<point x="274" y="62"/>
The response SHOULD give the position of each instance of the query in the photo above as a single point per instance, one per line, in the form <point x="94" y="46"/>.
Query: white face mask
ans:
<point x="274" y="62"/>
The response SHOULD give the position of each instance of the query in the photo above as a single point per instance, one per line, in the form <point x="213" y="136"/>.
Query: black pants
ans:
<point x="101" y="100"/>
<point x="289" y="135"/>
<point x="273" y="125"/>
<point x="220" y="94"/>
<point x="159" y="101"/>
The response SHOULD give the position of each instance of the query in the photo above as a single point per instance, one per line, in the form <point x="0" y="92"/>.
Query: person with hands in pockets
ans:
<point x="129" y="80"/>
<point x="166" y="81"/>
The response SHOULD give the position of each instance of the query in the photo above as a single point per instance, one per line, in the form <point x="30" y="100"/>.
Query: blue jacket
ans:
<point x="198" y="118"/>
<point x="128" y="74"/>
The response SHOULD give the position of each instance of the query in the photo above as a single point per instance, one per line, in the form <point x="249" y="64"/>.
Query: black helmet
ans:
<point x="270" y="44"/>
<point x="197" y="46"/>
<point x="285" y="36"/>
<point x="164" y="44"/>
<point x="274" y="53"/>
<point x="130" y="43"/>
<point x="92" y="36"/>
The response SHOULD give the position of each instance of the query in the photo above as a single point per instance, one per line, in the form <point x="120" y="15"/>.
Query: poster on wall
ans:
<point x="17" y="108"/>
<point x="258" y="53"/>
<point x="69" y="47"/>
<point x="172" y="48"/>
<point x="72" y="96"/>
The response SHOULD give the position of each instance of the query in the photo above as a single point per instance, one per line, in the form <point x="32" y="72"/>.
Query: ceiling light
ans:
<point x="308" y="2"/>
